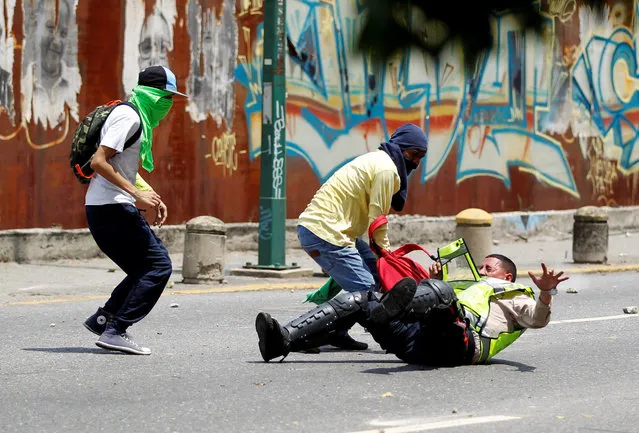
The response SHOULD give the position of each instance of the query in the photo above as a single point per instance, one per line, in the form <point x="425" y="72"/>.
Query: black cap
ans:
<point x="159" y="77"/>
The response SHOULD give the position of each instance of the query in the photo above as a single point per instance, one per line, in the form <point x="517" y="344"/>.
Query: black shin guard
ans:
<point x="313" y="328"/>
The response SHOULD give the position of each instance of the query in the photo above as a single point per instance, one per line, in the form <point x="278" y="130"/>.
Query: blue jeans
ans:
<point x="123" y="234"/>
<point x="346" y="265"/>
<point x="370" y="260"/>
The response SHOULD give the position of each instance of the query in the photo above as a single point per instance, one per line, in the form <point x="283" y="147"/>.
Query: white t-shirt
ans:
<point x="121" y="124"/>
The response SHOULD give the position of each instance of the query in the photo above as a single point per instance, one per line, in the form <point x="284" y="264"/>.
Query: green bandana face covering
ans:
<point x="152" y="108"/>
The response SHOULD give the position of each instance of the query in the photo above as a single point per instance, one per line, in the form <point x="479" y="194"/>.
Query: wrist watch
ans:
<point x="552" y="291"/>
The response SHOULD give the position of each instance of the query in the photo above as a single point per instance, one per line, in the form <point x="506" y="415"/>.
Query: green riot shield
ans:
<point x="458" y="267"/>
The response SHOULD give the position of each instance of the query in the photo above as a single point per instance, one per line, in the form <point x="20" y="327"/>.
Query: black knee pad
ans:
<point x="324" y="313"/>
<point x="431" y="295"/>
<point x="442" y="289"/>
<point x="347" y="303"/>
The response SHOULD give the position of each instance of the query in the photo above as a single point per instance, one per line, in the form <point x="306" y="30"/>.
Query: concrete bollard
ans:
<point x="204" y="250"/>
<point x="475" y="226"/>
<point x="590" y="235"/>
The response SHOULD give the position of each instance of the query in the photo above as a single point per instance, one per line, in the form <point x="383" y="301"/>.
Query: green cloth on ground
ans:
<point x="324" y="293"/>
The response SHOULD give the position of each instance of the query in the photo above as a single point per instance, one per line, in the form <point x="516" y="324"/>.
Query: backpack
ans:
<point x="87" y="137"/>
<point x="395" y="265"/>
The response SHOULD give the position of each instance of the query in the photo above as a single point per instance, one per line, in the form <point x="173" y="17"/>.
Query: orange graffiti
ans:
<point x="570" y="55"/>
<point x="478" y="149"/>
<point x="605" y="201"/>
<point x="223" y="152"/>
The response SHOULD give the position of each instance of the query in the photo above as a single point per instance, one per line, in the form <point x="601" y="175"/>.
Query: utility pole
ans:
<point x="272" y="226"/>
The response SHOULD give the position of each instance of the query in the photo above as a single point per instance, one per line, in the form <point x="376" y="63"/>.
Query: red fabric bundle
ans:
<point x="394" y="265"/>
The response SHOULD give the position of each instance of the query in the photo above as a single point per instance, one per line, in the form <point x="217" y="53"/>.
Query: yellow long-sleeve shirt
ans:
<point x="356" y="194"/>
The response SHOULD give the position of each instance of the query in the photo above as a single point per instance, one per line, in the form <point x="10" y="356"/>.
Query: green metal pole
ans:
<point x="272" y="227"/>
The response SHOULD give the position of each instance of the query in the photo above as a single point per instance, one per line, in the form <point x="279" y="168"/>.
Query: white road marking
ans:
<point x="439" y="424"/>
<point x="594" y="319"/>
<point x="42" y="287"/>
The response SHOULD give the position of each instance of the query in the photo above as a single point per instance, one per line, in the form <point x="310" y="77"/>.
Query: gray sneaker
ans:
<point x="97" y="322"/>
<point x="121" y="342"/>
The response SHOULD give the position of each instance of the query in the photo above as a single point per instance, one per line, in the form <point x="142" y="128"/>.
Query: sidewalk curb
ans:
<point x="26" y="245"/>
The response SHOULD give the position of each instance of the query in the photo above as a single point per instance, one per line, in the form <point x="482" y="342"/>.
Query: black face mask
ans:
<point x="410" y="166"/>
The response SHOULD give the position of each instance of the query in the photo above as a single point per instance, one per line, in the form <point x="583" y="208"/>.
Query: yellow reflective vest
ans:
<point x="476" y="301"/>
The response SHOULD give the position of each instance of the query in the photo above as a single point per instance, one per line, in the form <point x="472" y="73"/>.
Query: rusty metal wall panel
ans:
<point x="544" y="130"/>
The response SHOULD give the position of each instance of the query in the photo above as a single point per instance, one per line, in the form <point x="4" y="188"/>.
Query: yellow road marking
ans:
<point x="249" y="288"/>
<point x="305" y="285"/>
<point x="53" y="301"/>
<point x="224" y="289"/>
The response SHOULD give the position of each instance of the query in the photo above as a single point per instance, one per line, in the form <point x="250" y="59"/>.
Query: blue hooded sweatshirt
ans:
<point x="406" y="137"/>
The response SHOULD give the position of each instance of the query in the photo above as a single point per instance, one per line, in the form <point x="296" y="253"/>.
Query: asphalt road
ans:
<point x="579" y="374"/>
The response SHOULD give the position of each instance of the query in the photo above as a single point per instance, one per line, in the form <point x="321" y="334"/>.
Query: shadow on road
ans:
<point x="523" y="368"/>
<point x="95" y="350"/>
<point x="400" y="369"/>
<point x="328" y="361"/>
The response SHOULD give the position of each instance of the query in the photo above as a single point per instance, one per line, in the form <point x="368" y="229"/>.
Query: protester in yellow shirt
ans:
<point x="346" y="204"/>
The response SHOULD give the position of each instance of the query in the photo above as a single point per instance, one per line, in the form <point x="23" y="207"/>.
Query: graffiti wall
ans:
<point x="545" y="121"/>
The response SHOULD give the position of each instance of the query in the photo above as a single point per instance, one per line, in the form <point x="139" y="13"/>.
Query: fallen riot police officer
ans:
<point x="426" y="323"/>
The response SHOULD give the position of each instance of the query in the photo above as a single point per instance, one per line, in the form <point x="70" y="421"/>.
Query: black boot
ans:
<point x="271" y="337"/>
<point x="342" y="340"/>
<point x="394" y="302"/>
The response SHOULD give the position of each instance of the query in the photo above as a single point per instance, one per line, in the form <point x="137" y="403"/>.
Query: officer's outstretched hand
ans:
<point x="435" y="271"/>
<point x="548" y="280"/>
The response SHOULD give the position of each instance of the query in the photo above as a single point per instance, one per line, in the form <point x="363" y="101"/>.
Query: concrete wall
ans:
<point x="29" y="245"/>
<point x="541" y="125"/>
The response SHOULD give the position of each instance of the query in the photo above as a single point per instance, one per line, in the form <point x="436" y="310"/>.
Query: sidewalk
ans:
<point x="45" y="282"/>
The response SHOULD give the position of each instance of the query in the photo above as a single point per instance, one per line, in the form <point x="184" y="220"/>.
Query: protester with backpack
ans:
<point x="348" y="202"/>
<point x="112" y="202"/>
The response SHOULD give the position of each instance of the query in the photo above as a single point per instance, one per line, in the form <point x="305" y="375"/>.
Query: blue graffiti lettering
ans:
<point x="604" y="88"/>
<point x="499" y="113"/>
